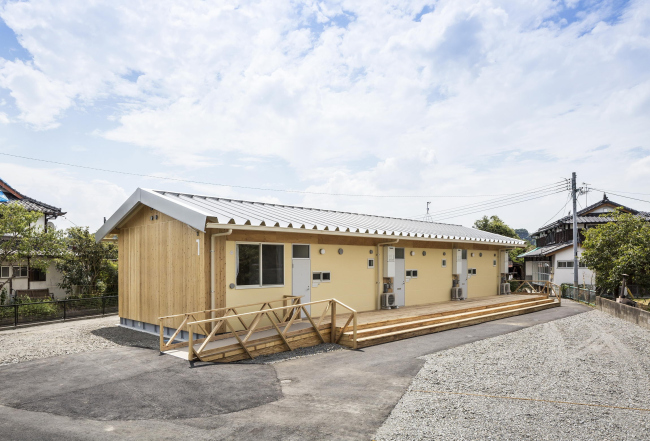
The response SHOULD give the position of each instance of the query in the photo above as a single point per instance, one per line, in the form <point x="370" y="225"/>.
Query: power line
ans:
<point x="459" y="211"/>
<point x="620" y="195"/>
<point x="190" y="181"/>
<point x="499" y="206"/>
<point x="558" y="212"/>
<point x="511" y="197"/>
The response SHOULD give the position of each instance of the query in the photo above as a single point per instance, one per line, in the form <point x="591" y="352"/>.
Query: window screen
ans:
<point x="399" y="253"/>
<point x="414" y="273"/>
<point x="326" y="276"/>
<point x="316" y="276"/>
<point x="408" y="273"/>
<point x="272" y="264"/>
<point x="4" y="272"/>
<point x="301" y="251"/>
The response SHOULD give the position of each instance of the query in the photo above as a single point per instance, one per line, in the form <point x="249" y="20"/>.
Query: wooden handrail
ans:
<point x="270" y="314"/>
<point x="230" y="307"/>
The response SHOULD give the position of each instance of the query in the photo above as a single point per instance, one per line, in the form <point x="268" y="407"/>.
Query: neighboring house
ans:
<point x="552" y="260"/>
<point x="26" y="278"/>
<point x="181" y="253"/>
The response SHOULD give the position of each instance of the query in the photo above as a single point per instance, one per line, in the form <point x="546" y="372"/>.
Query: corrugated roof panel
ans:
<point x="230" y="211"/>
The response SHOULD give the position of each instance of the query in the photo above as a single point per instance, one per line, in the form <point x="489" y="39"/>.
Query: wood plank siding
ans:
<point x="162" y="272"/>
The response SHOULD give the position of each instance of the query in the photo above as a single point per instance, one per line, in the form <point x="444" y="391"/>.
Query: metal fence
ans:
<point x="583" y="295"/>
<point x="34" y="312"/>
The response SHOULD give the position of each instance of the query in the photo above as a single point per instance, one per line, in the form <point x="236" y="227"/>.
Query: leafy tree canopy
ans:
<point x="494" y="224"/>
<point x="617" y="248"/>
<point x="87" y="267"/>
<point x="24" y="242"/>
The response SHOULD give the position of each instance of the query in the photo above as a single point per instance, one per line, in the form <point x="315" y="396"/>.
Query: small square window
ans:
<point x="408" y="273"/>
<point x="371" y="263"/>
<point x="326" y="276"/>
<point x="494" y="263"/>
<point x="414" y="274"/>
<point x="444" y="263"/>
<point x="316" y="277"/>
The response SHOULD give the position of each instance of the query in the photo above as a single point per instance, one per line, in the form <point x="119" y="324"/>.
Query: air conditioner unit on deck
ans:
<point x="388" y="300"/>
<point x="458" y="294"/>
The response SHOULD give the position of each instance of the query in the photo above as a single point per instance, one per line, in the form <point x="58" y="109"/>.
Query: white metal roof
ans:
<point x="198" y="211"/>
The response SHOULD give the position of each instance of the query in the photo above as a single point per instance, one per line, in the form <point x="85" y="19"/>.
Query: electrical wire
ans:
<point x="620" y="195"/>
<point x="497" y="202"/>
<point x="488" y="203"/>
<point x="558" y="212"/>
<point x="246" y="187"/>
<point x="500" y="206"/>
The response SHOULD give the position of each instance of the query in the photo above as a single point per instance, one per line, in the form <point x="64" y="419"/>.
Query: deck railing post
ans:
<point x="354" y="331"/>
<point x="162" y="337"/>
<point x="333" y="323"/>
<point x="190" y="340"/>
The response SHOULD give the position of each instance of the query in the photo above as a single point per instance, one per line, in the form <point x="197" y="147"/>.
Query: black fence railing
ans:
<point x="33" y="312"/>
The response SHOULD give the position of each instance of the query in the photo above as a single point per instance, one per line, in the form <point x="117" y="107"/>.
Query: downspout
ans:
<point x="379" y="270"/>
<point x="213" y="267"/>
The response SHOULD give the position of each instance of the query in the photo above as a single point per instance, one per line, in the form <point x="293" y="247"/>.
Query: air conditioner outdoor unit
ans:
<point x="388" y="300"/>
<point x="458" y="294"/>
<point x="504" y="289"/>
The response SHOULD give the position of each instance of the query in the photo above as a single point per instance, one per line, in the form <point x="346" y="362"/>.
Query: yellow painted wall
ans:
<point x="486" y="280"/>
<point x="433" y="283"/>
<point x="353" y="283"/>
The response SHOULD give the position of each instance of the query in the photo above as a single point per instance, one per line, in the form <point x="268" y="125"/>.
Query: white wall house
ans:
<point x="25" y="278"/>
<point x="552" y="260"/>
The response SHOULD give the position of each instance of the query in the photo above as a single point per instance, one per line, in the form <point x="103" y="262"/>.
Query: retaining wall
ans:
<point x="628" y="313"/>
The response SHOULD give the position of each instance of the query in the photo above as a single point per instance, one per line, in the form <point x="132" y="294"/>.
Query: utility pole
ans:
<point x="574" y="194"/>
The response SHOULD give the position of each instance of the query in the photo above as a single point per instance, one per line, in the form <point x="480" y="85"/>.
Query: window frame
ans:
<point x="322" y="279"/>
<point x="19" y="272"/>
<point x="444" y="263"/>
<point x="261" y="286"/>
<point x="8" y="272"/>
<point x="371" y="263"/>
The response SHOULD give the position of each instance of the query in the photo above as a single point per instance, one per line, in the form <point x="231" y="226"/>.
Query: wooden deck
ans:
<point x="373" y="327"/>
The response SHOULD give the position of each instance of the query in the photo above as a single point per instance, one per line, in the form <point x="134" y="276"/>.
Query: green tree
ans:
<point x="617" y="248"/>
<point x="24" y="242"/>
<point x="87" y="264"/>
<point x="494" y="224"/>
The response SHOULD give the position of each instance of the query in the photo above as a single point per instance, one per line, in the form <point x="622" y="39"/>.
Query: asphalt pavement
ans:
<point x="134" y="393"/>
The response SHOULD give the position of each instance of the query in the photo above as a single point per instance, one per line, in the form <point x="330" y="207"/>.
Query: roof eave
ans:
<point x="174" y="209"/>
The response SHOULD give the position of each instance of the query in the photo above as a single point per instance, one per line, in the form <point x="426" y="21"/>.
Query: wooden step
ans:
<point x="429" y="329"/>
<point x="402" y="326"/>
<point x="415" y="316"/>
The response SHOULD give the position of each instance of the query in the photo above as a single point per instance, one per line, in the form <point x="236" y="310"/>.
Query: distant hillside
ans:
<point x="523" y="234"/>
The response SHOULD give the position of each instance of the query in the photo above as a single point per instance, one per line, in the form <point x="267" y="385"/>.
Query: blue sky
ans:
<point x="394" y="98"/>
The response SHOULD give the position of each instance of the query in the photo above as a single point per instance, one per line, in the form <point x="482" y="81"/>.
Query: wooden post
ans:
<point x="354" y="330"/>
<point x="162" y="338"/>
<point x="190" y="339"/>
<point x="333" y="323"/>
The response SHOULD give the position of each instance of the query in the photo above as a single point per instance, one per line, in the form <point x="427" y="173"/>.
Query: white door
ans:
<point x="399" y="286"/>
<point x="301" y="273"/>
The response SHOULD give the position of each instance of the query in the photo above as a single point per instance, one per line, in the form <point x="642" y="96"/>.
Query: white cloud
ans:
<point x="85" y="201"/>
<point x="492" y="95"/>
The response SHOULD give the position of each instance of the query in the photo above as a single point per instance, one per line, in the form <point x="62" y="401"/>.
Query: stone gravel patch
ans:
<point x="36" y="342"/>
<point x="591" y="358"/>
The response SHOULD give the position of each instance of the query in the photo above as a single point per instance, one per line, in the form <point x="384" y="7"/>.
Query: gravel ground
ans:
<point x="297" y="353"/>
<point x="31" y="343"/>
<point x="588" y="358"/>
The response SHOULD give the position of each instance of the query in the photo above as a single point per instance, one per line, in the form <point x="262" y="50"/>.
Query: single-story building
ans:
<point x="181" y="253"/>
